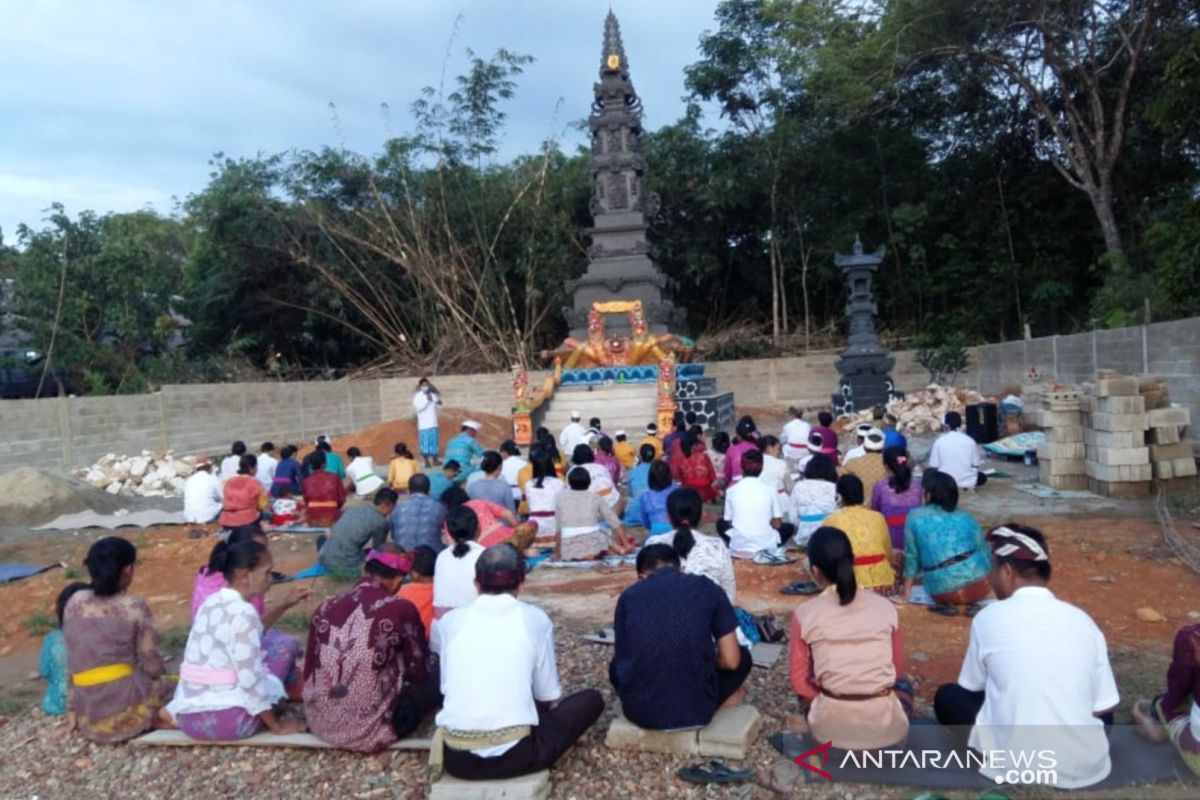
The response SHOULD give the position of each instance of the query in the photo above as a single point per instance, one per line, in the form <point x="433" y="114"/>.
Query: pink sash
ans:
<point x="208" y="676"/>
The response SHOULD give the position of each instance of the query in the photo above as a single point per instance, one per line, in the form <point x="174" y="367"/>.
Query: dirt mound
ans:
<point x="378" y="440"/>
<point x="32" y="497"/>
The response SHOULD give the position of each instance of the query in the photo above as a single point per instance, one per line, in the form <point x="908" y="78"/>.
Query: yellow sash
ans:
<point x="106" y="674"/>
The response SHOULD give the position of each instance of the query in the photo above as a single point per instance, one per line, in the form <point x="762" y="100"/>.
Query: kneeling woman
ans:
<point x="846" y="655"/>
<point x="947" y="546"/>
<point x="226" y="688"/>
<point x="113" y="650"/>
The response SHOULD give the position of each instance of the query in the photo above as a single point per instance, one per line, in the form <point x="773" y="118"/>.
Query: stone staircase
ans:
<point x="628" y="406"/>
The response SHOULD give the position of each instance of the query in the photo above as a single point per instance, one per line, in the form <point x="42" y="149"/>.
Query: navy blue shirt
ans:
<point x="664" y="665"/>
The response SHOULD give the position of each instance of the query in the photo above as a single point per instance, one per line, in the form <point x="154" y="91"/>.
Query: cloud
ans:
<point x="113" y="105"/>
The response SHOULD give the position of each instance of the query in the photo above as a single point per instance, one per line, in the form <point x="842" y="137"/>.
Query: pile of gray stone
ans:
<point x="151" y="474"/>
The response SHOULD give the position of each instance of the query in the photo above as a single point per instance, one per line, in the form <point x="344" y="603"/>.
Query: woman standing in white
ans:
<point x="425" y="405"/>
<point x="227" y="688"/>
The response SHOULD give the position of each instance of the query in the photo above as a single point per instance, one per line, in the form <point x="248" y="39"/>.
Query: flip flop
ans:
<point x="801" y="588"/>
<point x="945" y="609"/>
<point x="972" y="609"/>
<point x="710" y="772"/>
<point x="768" y="559"/>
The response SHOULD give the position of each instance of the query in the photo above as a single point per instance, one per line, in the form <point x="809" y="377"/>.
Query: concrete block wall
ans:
<point x="1169" y="349"/>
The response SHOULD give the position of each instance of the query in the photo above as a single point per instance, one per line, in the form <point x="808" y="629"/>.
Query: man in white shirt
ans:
<point x="794" y="438"/>
<point x="510" y="468"/>
<point x="1036" y="677"/>
<point x="860" y="432"/>
<point x="956" y="454"/>
<point x="753" y="515"/>
<point x="573" y="434"/>
<point x="229" y="464"/>
<point x="202" y="495"/>
<point x="266" y="466"/>
<point x="425" y="405"/>
<point x="498" y="722"/>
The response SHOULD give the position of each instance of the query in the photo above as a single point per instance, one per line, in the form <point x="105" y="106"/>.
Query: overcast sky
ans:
<point x="118" y="105"/>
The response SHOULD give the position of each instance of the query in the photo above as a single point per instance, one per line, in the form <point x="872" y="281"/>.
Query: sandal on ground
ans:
<point x="771" y="559"/>
<point x="714" y="772"/>
<point x="945" y="609"/>
<point x="801" y="587"/>
<point x="972" y="609"/>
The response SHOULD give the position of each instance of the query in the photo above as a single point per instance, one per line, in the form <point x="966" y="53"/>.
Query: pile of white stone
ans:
<point x="148" y="475"/>
<point x="922" y="411"/>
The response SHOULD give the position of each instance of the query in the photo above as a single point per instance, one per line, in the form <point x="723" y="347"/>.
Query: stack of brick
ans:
<point x="1118" y="460"/>
<point x="1061" y="456"/>
<point x="1031" y="396"/>
<point x="1171" y="453"/>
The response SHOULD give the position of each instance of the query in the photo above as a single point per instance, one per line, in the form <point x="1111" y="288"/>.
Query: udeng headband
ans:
<point x="1007" y="543"/>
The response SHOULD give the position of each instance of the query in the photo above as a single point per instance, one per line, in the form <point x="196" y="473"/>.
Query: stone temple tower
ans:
<point x="619" y="265"/>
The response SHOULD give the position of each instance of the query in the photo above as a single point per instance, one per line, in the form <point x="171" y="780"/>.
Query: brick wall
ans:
<point x="73" y="432"/>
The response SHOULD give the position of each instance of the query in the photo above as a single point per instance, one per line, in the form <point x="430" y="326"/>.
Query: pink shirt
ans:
<point x="208" y="583"/>
<point x="733" y="459"/>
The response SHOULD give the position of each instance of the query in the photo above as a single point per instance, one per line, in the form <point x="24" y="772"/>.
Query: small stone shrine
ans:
<point x="620" y="267"/>
<point x="865" y="365"/>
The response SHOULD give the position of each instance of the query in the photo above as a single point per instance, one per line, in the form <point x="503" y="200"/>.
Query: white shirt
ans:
<point x="202" y="497"/>
<point x="229" y="467"/>
<point x="957" y="455"/>
<point x="266" y="470"/>
<point x="425" y="406"/>
<point x="454" y="578"/>
<point x="497" y="661"/>
<point x="795" y="438"/>
<point x="1043" y="666"/>
<point x="362" y="471"/>
<point x="542" y="502"/>
<point x="510" y="470"/>
<point x="226" y="636"/>
<point x="814" y="499"/>
<point x="853" y="453"/>
<point x="573" y="434"/>
<point x="775" y="473"/>
<point x="750" y="505"/>
<point x="601" y="481"/>
<point x="708" y="557"/>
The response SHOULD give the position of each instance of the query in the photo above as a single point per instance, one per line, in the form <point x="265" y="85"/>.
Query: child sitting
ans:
<point x="52" y="664"/>
<point x="419" y="589"/>
<point x="286" y="509"/>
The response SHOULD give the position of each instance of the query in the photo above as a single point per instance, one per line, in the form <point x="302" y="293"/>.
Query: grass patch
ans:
<point x="295" y="621"/>
<point x="175" y="639"/>
<point x="17" y="699"/>
<point x="41" y="623"/>
<point x="70" y="573"/>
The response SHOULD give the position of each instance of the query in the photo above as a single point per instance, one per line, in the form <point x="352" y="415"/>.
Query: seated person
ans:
<point x="464" y="450"/>
<point x="601" y="482"/>
<point x="859" y="450"/>
<point x="652" y="504"/>
<point x="541" y="492"/>
<point x="637" y="482"/>
<point x="401" y="468"/>
<point x="342" y="553"/>
<point x="243" y="498"/>
<point x="814" y="498"/>
<point x="118" y="683"/>
<point x="578" y="513"/>
<point x="499" y="677"/>
<point x="868" y="533"/>
<point x="287" y="472"/>
<point x="693" y="468"/>
<point x="360" y="473"/>
<point x="285" y="509"/>
<point x="277" y="646"/>
<point x="676" y="658"/>
<point x="418" y="522"/>
<point x="946" y="545"/>
<point x="419" y="588"/>
<point x="492" y="486"/>
<point x="869" y="467"/>
<point x="846" y="656"/>
<point x="367" y="679"/>
<point x="1036" y="674"/>
<point x="324" y="493"/>
<point x="828" y="437"/>
<point x="699" y="553"/>
<point x="896" y="496"/>
<point x="444" y="478"/>
<point x="754" y="511"/>
<point x="956" y="454"/>
<point x="775" y="469"/>
<point x="624" y="451"/>
<point x="202" y="495"/>
<point x="227" y="688"/>
<point x="1175" y="714"/>
<point x="52" y="661"/>
<point x="454" y="568"/>
<point x="496" y="523"/>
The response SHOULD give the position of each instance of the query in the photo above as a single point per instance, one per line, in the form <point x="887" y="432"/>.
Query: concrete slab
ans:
<point x="624" y="735"/>
<point x="731" y="732"/>
<point x="527" y="787"/>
